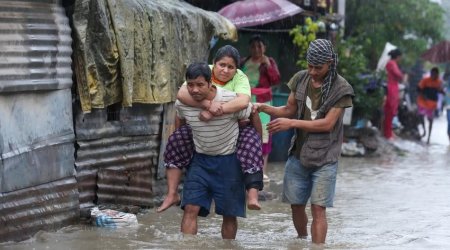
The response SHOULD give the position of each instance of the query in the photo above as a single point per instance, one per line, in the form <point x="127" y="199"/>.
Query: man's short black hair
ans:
<point x="197" y="69"/>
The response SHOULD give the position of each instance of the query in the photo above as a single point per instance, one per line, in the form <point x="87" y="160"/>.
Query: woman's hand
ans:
<point x="206" y="104"/>
<point x="279" y="124"/>
<point x="265" y="60"/>
<point x="205" y="116"/>
<point x="216" y="109"/>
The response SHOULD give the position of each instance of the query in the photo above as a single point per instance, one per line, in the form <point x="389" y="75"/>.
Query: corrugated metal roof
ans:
<point x="35" y="46"/>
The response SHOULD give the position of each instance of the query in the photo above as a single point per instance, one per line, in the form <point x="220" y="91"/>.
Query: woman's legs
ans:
<point x="249" y="153"/>
<point x="388" y="117"/>
<point x="179" y="149"/>
<point x="178" y="154"/>
<point x="249" y="150"/>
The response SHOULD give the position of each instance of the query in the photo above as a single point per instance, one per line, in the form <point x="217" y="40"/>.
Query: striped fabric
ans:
<point x="320" y="51"/>
<point x="219" y="135"/>
<point x="180" y="149"/>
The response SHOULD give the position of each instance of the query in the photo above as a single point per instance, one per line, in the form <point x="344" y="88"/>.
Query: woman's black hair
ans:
<point x="395" y="53"/>
<point x="229" y="51"/>
<point x="256" y="38"/>
<point x="197" y="69"/>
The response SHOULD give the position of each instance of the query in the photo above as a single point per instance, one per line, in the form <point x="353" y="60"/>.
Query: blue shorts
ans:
<point x="217" y="178"/>
<point x="302" y="183"/>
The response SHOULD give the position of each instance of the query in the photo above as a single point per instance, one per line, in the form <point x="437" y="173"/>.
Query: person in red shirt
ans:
<point x="394" y="76"/>
<point x="428" y="89"/>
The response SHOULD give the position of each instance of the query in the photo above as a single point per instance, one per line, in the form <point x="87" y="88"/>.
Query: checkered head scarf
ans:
<point x="320" y="51"/>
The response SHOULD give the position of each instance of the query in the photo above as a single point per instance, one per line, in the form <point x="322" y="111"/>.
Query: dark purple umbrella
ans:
<point x="248" y="13"/>
<point x="439" y="53"/>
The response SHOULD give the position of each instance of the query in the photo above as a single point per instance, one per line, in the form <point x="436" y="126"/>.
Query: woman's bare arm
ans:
<point x="239" y="103"/>
<point x="256" y="123"/>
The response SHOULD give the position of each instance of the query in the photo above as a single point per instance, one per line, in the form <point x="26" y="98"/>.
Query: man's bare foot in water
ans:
<point x="252" y="199"/>
<point x="169" y="201"/>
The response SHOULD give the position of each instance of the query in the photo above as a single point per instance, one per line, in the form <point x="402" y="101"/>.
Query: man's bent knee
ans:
<point x="298" y="208"/>
<point x="318" y="211"/>
<point x="191" y="209"/>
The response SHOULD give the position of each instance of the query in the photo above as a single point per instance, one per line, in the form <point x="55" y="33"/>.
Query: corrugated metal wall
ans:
<point x="47" y="206"/>
<point x="37" y="183"/>
<point x="130" y="52"/>
<point x="117" y="154"/>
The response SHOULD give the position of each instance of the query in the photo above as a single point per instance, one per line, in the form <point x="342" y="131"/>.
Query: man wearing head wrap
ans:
<point x="315" y="109"/>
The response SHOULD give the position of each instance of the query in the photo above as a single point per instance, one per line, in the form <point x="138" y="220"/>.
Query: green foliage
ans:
<point x="303" y="35"/>
<point x="408" y="24"/>
<point x="352" y="65"/>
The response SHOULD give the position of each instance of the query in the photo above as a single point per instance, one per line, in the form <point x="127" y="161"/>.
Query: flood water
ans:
<point x="391" y="202"/>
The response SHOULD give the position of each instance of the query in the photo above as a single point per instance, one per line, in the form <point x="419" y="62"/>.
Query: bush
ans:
<point x="303" y="35"/>
<point x="368" y="89"/>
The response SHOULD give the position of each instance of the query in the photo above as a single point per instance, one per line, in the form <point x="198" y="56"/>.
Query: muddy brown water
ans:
<point x="390" y="202"/>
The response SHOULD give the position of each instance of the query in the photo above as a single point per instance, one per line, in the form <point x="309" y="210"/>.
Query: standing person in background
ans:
<point x="315" y="109"/>
<point x="428" y="90"/>
<point x="263" y="73"/>
<point x="394" y="76"/>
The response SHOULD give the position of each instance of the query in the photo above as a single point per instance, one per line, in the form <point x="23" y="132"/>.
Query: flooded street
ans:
<point x="394" y="202"/>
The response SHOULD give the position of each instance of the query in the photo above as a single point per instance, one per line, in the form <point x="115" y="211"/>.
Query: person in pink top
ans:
<point x="263" y="73"/>
<point x="394" y="76"/>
